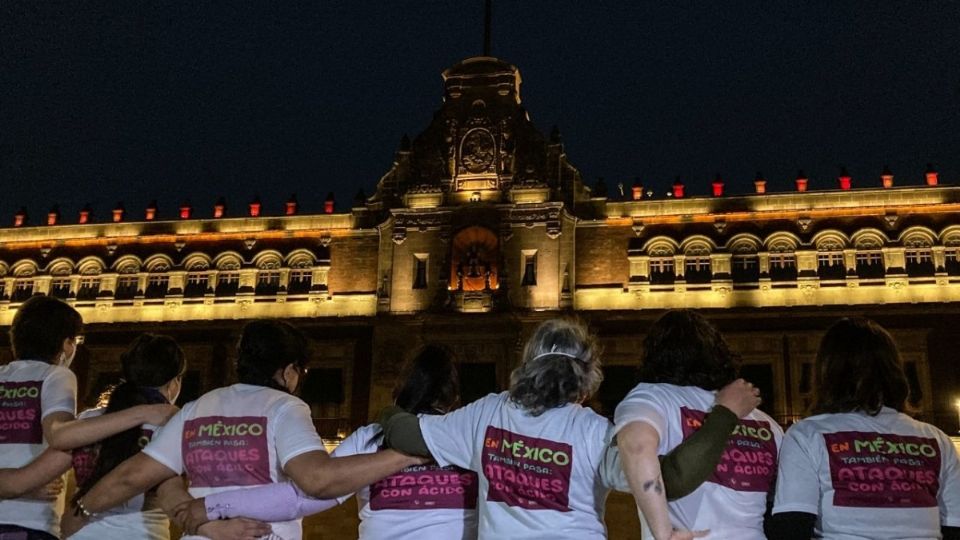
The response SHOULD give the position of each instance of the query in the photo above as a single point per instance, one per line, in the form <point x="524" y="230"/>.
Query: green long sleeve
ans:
<point x="401" y="431"/>
<point x="694" y="460"/>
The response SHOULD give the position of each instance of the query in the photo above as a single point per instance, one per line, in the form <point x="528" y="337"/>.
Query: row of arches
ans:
<point x="132" y="264"/>
<point x="196" y="275"/>
<point x="838" y="256"/>
<point x="781" y="241"/>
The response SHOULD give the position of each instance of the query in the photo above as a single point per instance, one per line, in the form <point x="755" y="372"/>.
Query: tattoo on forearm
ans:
<point x="656" y="485"/>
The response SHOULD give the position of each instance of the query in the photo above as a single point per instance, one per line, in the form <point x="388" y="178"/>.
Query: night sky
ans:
<point x="128" y="101"/>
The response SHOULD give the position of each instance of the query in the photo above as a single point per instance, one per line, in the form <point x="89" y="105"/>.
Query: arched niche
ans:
<point x="474" y="260"/>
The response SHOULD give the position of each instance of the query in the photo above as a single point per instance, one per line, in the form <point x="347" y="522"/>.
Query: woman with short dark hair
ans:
<point x="685" y="362"/>
<point x="860" y="467"/>
<point x="38" y="396"/>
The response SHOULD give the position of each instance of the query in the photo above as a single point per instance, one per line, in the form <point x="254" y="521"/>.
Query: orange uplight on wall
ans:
<point x="328" y="203"/>
<point x="933" y="177"/>
<point x="717" y="186"/>
<point x="53" y="215"/>
<point x="844" y="181"/>
<point x="220" y="208"/>
<point x="678" y="188"/>
<point x="636" y="191"/>
<point x="760" y="184"/>
<point x="20" y="217"/>
<point x="801" y="181"/>
<point x="151" y="212"/>
<point x="84" y="217"/>
<point x="118" y="213"/>
<point x="290" y="207"/>
<point x="886" y="178"/>
<point x="185" y="211"/>
<point x="255" y="207"/>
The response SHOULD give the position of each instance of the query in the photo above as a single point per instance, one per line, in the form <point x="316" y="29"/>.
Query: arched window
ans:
<point x="89" y="287"/>
<point x="869" y="256"/>
<point x="918" y="254"/>
<point x="951" y="254"/>
<point x="228" y="275"/>
<point x="24" y="282"/>
<point x="198" y="276"/>
<point x="744" y="262"/>
<point x="60" y="279"/>
<point x="300" y="279"/>
<point x="268" y="275"/>
<point x="783" y="261"/>
<point x="158" y="281"/>
<point x="830" y="264"/>
<point x="696" y="264"/>
<point x="662" y="261"/>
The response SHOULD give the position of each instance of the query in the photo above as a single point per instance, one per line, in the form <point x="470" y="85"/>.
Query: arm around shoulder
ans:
<point x="46" y="468"/>
<point x="691" y="463"/>
<point x="324" y="477"/>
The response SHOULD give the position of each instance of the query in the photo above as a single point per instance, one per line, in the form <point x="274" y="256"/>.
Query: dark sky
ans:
<point x="108" y="101"/>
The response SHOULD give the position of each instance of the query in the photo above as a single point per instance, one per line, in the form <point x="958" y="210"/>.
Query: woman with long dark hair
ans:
<point x="685" y="363"/>
<point x="860" y="467"/>
<point x="153" y="368"/>
<point x="252" y="433"/>
<point x="422" y="502"/>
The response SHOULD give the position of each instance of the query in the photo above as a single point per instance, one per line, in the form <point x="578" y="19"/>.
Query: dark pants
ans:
<point x="15" y="532"/>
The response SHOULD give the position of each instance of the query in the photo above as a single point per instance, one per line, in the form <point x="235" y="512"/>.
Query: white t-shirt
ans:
<point x="538" y="474"/>
<point x="731" y="503"/>
<point x="129" y="520"/>
<point x="234" y="437"/>
<point x="29" y="391"/>
<point x="870" y="477"/>
<point x="423" y="502"/>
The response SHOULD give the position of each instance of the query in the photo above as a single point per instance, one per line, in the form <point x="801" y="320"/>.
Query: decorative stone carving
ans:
<point x="477" y="151"/>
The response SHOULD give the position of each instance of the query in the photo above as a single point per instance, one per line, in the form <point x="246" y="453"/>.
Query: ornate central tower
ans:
<point x="479" y="145"/>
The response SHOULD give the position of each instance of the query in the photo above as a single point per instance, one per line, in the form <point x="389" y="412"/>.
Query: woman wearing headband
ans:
<point x="545" y="462"/>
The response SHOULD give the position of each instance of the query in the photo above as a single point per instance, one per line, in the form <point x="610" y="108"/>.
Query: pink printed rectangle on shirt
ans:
<point x="527" y="472"/>
<point x="749" y="462"/>
<point x="221" y="451"/>
<point x="883" y="470"/>
<point x="425" y="487"/>
<point x="20" y="412"/>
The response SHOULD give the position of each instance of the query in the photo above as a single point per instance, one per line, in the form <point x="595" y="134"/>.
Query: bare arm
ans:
<point x="171" y="493"/>
<point x="47" y="467"/>
<point x="638" y="444"/>
<point x="132" y="477"/>
<point x="324" y="477"/>
<point x="64" y="432"/>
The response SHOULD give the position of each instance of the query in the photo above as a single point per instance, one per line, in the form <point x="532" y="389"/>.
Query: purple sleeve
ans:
<point x="268" y="503"/>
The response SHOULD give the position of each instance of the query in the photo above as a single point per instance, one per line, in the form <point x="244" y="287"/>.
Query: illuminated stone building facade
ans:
<point x="481" y="229"/>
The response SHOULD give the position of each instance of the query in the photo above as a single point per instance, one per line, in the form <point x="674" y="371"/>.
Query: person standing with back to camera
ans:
<point x="253" y="433"/>
<point x="861" y="468"/>
<point x="685" y="361"/>
<point x="39" y="393"/>
<point x="422" y="502"/>
<point x="545" y="462"/>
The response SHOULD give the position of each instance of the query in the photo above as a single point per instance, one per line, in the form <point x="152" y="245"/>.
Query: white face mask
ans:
<point x="66" y="360"/>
